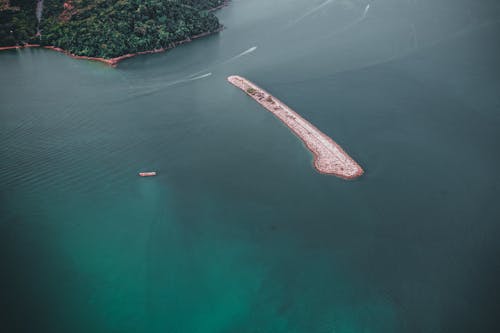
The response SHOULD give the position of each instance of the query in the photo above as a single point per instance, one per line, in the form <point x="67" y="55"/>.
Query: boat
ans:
<point x="147" y="174"/>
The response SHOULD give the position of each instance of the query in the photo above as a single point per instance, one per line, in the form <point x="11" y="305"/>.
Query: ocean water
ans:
<point x="238" y="233"/>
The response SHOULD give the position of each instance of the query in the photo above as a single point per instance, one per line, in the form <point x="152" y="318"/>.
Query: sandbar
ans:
<point x="329" y="157"/>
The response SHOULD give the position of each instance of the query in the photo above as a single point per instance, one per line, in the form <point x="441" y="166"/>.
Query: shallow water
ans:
<point x="238" y="233"/>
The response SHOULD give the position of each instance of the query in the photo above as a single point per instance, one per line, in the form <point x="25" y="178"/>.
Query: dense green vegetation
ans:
<point x="17" y="21"/>
<point x="109" y="28"/>
<point x="203" y="4"/>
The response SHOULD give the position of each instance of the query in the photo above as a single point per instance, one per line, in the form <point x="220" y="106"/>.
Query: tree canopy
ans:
<point x="107" y="28"/>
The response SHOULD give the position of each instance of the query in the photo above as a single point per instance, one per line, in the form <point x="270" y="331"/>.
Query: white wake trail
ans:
<point x="350" y="25"/>
<point x="310" y="12"/>
<point x="170" y="84"/>
<point x="173" y="83"/>
<point x="196" y="77"/>
<point x="250" y="50"/>
<point x="367" y="8"/>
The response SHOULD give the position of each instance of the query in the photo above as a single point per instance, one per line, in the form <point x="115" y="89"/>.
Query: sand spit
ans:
<point x="329" y="157"/>
<point x="114" y="61"/>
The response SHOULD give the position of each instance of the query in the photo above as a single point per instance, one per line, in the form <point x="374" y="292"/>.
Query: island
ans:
<point x="329" y="157"/>
<point x="106" y="30"/>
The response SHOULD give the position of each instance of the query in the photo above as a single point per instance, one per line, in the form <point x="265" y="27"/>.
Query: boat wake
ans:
<point x="192" y="77"/>
<point x="310" y="12"/>
<point x="244" y="53"/>
<point x="196" y="77"/>
<point x="187" y="79"/>
<point x="367" y="8"/>
<point x="250" y="50"/>
<point x="170" y="84"/>
<point x="350" y="25"/>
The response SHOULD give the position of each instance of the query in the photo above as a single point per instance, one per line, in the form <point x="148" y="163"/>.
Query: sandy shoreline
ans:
<point x="329" y="157"/>
<point x="114" y="61"/>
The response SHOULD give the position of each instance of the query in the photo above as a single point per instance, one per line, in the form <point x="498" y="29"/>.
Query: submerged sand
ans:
<point x="329" y="157"/>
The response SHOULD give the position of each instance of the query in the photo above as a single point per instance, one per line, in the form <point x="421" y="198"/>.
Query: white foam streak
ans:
<point x="350" y="25"/>
<point x="197" y="77"/>
<point x="310" y="12"/>
<point x="250" y="50"/>
<point x="194" y="76"/>
<point x="367" y="8"/>
<point x="170" y="84"/>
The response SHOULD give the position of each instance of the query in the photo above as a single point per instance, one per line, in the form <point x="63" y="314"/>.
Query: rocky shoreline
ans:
<point x="114" y="61"/>
<point x="329" y="157"/>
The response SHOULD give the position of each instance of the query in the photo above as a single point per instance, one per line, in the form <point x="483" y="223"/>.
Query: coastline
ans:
<point x="3" y="48"/>
<point x="329" y="157"/>
<point x="113" y="62"/>
<point x="224" y="4"/>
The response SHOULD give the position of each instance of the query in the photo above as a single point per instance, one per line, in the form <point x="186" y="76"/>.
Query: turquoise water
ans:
<point x="238" y="233"/>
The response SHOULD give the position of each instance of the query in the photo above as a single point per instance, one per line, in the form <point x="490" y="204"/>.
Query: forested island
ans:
<point x="106" y="28"/>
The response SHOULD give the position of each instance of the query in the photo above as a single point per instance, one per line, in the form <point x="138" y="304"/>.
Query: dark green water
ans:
<point x="238" y="233"/>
